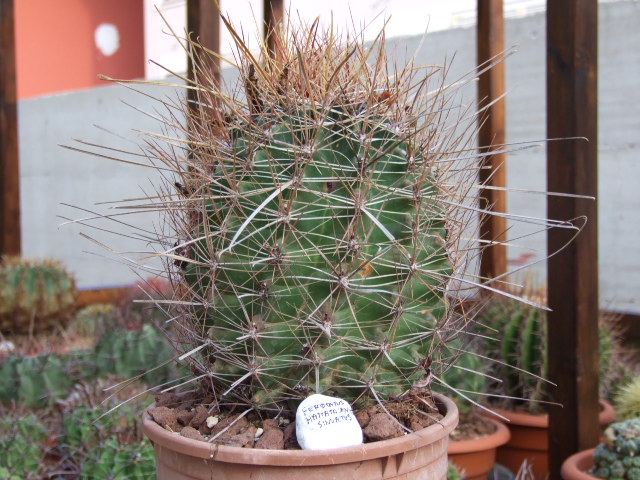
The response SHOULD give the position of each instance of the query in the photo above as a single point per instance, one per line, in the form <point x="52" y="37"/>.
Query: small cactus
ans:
<point x="21" y="444"/>
<point x="514" y="335"/>
<point x="93" y="321"/>
<point x="128" y="353"/>
<point x="618" y="457"/>
<point x="628" y="400"/>
<point x="35" y="295"/>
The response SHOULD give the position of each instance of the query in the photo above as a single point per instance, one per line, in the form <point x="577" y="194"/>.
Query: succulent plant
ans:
<point x="116" y="461"/>
<point x="94" y="320"/>
<point x="38" y="380"/>
<point x="628" y="400"/>
<point x="129" y="353"/>
<point x="512" y="339"/>
<point x="21" y="444"/>
<point x="318" y="219"/>
<point x="35" y="295"/>
<point x="618" y="457"/>
<point x="34" y="381"/>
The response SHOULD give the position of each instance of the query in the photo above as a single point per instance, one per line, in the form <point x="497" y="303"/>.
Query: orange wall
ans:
<point x="56" y="50"/>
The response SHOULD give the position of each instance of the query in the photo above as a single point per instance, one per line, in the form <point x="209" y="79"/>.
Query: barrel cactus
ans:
<point x="35" y="295"/>
<point x="318" y="217"/>
<point x="513" y="341"/>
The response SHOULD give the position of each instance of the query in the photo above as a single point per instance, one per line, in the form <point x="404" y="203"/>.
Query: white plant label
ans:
<point x="324" y="422"/>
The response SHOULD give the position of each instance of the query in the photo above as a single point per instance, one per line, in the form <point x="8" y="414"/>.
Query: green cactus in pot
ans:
<point x="314" y="223"/>
<point x="317" y="228"/>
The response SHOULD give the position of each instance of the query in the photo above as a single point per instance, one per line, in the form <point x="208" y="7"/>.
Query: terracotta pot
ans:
<point x="577" y="465"/>
<point x="422" y="454"/>
<point x="476" y="457"/>
<point x="529" y="439"/>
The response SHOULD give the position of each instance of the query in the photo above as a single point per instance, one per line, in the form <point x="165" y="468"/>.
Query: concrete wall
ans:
<point x="52" y="175"/>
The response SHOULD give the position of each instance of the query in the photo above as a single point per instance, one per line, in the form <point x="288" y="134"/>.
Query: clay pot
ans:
<point x="529" y="439"/>
<point x="577" y="465"/>
<point x="476" y="457"/>
<point x="422" y="454"/>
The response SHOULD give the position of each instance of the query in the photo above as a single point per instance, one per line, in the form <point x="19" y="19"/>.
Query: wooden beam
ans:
<point x="572" y="167"/>
<point x="491" y="86"/>
<point x="203" y="24"/>
<point x="273" y="17"/>
<point x="10" y="235"/>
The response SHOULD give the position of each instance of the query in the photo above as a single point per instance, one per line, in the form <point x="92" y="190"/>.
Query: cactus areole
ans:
<point x="317" y="215"/>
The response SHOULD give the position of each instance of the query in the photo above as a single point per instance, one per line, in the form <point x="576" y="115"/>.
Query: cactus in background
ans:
<point x="114" y="461"/>
<point x="38" y="380"/>
<point x="513" y="333"/>
<point x="619" y="456"/>
<point x="128" y="353"/>
<point x="628" y="400"/>
<point x="94" y="320"/>
<point x="463" y="378"/>
<point x="318" y="225"/>
<point x="35" y="295"/>
<point x="21" y="444"/>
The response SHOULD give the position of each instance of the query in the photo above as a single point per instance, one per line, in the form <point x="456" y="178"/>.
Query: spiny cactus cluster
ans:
<point x="39" y="380"/>
<point x="513" y="340"/>
<point x="619" y="456"/>
<point x="35" y="295"/>
<point x="93" y="321"/>
<point x="129" y="353"/>
<point x="110" y="444"/>
<point x="628" y="400"/>
<point x="318" y="217"/>
<point x="21" y="444"/>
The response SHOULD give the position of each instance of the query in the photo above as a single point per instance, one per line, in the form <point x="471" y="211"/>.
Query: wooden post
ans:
<point x="10" y="236"/>
<point x="572" y="167"/>
<point x="491" y="85"/>
<point x="273" y="17"/>
<point x="203" y="24"/>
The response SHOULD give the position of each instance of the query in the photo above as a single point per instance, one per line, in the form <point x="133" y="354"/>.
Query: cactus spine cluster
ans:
<point x="619" y="456"/>
<point x="317" y="219"/>
<point x="35" y="295"/>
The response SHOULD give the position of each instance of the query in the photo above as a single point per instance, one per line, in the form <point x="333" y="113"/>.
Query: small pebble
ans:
<point x="212" y="421"/>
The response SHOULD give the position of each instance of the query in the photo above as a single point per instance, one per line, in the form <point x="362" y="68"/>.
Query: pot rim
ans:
<point x="253" y="456"/>
<point x="496" y="439"/>
<point x="541" y="420"/>
<point x="574" y="466"/>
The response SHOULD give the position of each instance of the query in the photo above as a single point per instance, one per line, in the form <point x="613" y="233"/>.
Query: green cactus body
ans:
<point x="21" y="444"/>
<point x="316" y="253"/>
<point x="628" y="400"/>
<point x="114" y="461"/>
<point x="127" y="353"/>
<point x="522" y="345"/>
<point x="619" y="455"/>
<point x="38" y="294"/>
